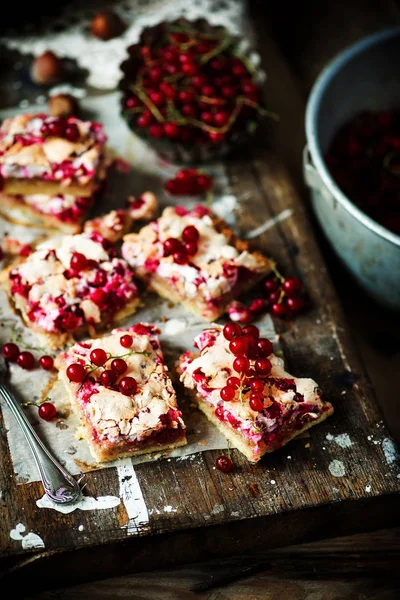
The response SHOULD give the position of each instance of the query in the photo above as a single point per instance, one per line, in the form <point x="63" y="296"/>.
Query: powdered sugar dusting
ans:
<point x="337" y="468"/>
<point x="390" y="451"/>
<point x="343" y="440"/>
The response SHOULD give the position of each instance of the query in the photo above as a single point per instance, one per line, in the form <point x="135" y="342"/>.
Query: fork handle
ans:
<point x="58" y="484"/>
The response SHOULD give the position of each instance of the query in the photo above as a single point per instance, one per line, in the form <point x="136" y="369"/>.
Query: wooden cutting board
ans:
<point x="341" y="479"/>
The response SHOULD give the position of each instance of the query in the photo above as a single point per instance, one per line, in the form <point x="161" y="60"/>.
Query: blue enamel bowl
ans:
<point x="365" y="76"/>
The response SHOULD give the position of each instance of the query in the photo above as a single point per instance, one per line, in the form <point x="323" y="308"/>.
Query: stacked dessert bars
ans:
<point x="50" y="169"/>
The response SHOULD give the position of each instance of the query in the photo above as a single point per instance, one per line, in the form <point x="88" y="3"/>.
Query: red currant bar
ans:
<point x="50" y="155"/>
<point x="364" y="160"/>
<point x="242" y="388"/>
<point x="70" y="285"/>
<point x="119" y="387"/>
<point x="191" y="257"/>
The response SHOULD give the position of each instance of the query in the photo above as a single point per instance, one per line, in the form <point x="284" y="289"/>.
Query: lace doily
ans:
<point x="68" y="35"/>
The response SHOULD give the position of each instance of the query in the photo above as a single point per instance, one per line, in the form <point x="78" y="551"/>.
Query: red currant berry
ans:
<point x="208" y="91"/>
<point x="216" y="137"/>
<point x="239" y="346"/>
<point x="99" y="297"/>
<point x="233" y="382"/>
<point x="127" y="386"/>
<point x="274" y="297"/>
<point x="217" y="64"/>
<point x="181" y="257"/>
<point x="207" y="117"/>
<point x="204" y="182"/>
<point x="72" y="132"/>
<point x="252" y="348"/>
<point x="271" y="285"/>
<point x="186" y="96"/>
<point x="191" y="248"/>
<point x="199" y="80"/>
<point x="220" y="118"/>
<point x="108" y="378"/>
<point x="190" y="234"/>
<point x="155" y="74"/>
<point x="25" y="250"/>
<point x="292" y="287"/>
<point x="171" y="130"/>
<point x="132" y="102"/>
<point x="228" y="91"/>
<point x="26" y="360"/>
<point x="126" y="341"/>
<point x="252" y="331"/>
<point x="99" y="279"/>
<point x="256" y="403"/>
<point x="79" y="262"/>
<point x="257" y="386"/>
<point x="263" y="366"/>
<point x="119" y="365"/>
<point x="224" y="464"/>
<point x="190" y="69"/>
<point x="232" y="331"/>
<point x="258" y="306"/>
<point x="249" y="87"/>
<point x="98" y="357"/>
<point x="157" y="98"/>
<point x="295" y="304"/>
<point x="69" y="321"/>
<point x="10" y="351"/>
<point x="241" y="364"/>
<point x="239" y="69"/>
<point x="171" y="245"/>
<point x="264" y="347"/>
<point x="219" y="412"/>
<point x="76" y="372"/>
<point x="156" y="130"/>
<point x="278" y="310"/>
<point x="47" y="411"/>
<point x="56" y="128"/>
<point x="46" y="362"/>
<point x="227" y="393"/>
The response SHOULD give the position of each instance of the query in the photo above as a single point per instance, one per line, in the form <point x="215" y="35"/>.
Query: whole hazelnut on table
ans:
<point x="47" y="69"/>
<point x="62" y="105"/>
<point x="106" y="25"/>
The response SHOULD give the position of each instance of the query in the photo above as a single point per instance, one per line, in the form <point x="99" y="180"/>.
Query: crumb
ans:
<point x="308" y="445"/>
<point x="164" y="319"/>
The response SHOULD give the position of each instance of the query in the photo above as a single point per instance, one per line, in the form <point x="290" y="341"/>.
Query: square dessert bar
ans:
<point x="40" y="154"/>
<point x="120" y="388"/>
<point x="244" y="390"/>
<point x="194" y="258"/>
<point x="63" y="212"/>
<point x="69" y="286"/>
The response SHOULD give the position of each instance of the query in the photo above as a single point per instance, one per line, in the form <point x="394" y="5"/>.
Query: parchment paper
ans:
<point x="178" y="326"/>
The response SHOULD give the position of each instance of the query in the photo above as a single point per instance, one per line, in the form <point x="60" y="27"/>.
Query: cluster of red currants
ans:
<point x="250" y="362"/>
<point x="283" y="297"/>
<point x="191" y="87"/>
<point x="59" y="127"/>
<point x="26" y="360"/>
<point x="182" y="250"/>
<point x="188" y="182"/>
<point x="77" y="372"/>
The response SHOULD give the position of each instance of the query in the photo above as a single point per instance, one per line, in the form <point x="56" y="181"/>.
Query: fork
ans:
<point x="58" y="484"/>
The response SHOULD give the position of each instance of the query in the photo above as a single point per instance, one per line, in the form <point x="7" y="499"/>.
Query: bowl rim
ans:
<point x="312" y="109"/>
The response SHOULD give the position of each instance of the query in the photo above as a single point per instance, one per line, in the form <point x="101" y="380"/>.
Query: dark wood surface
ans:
<point x="302" y="505"/>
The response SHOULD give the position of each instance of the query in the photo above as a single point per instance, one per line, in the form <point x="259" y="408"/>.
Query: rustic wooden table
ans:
<point x="295" y="41"/>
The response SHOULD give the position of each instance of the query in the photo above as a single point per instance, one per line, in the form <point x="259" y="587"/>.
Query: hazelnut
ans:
<point x="62" y="105"/>
<point x="47" y="69"/>
<point x="107" y="25"/>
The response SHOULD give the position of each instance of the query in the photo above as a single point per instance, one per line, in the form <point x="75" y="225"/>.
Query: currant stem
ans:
<point x="146" y="100"/>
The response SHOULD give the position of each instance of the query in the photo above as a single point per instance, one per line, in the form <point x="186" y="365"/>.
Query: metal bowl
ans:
<point x="366" y="76"/>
